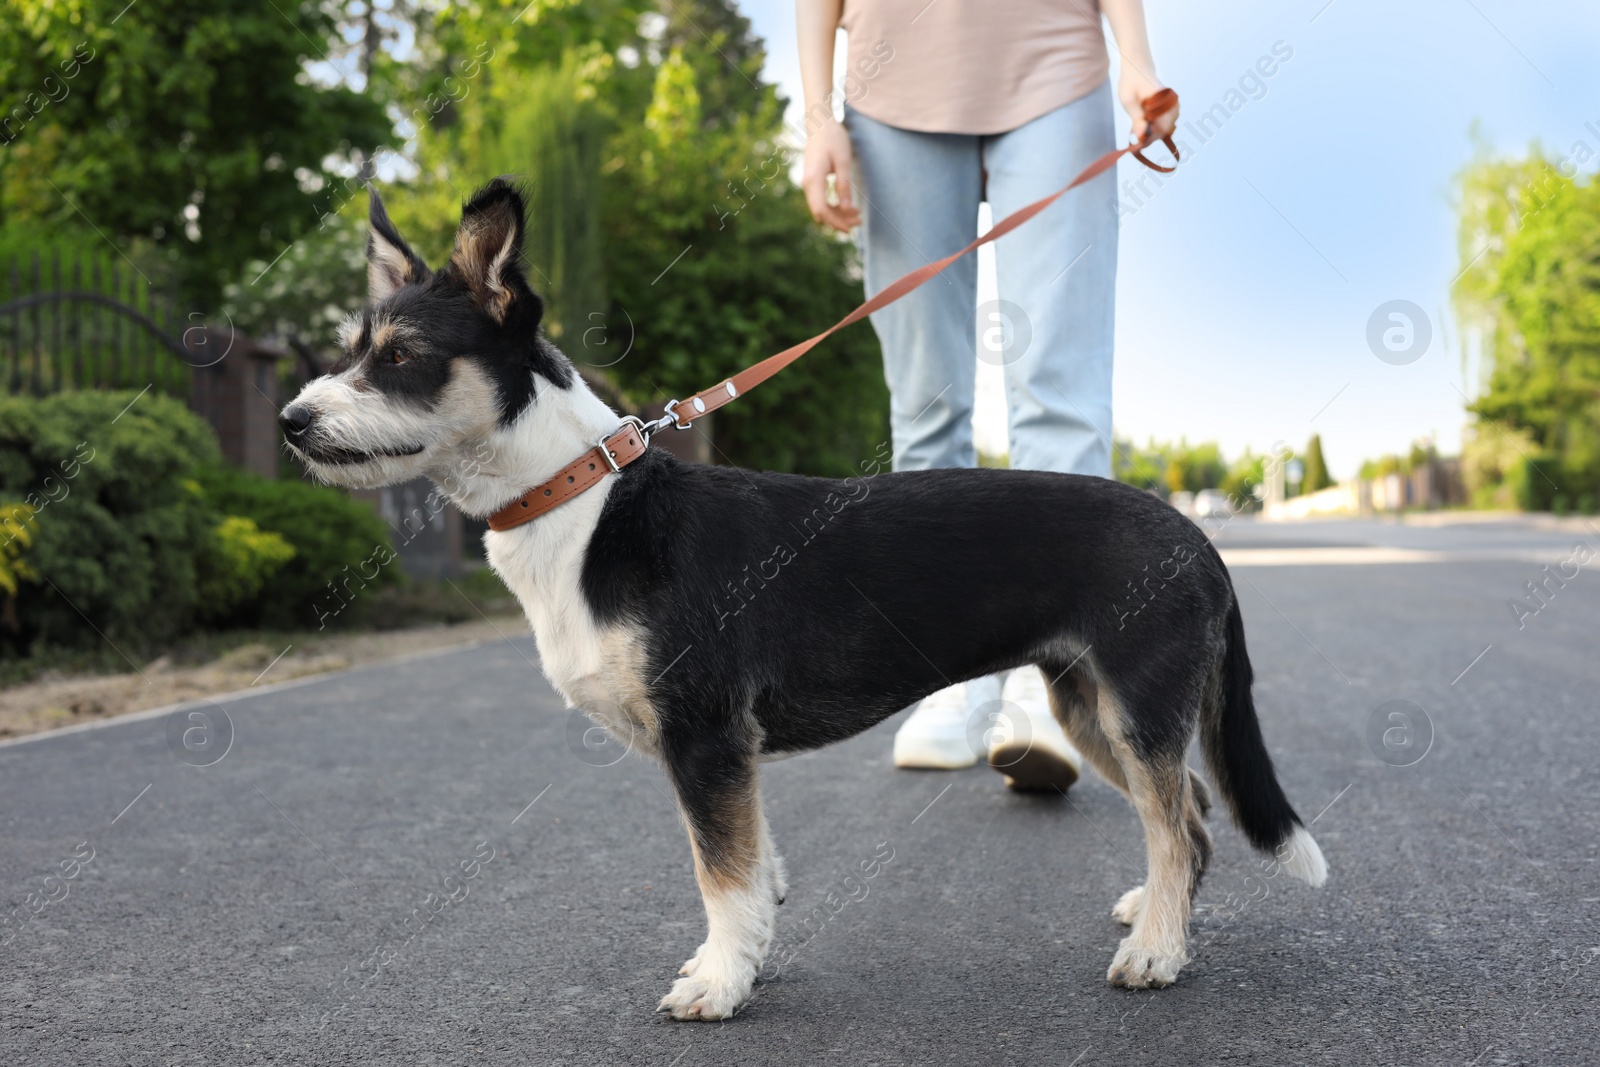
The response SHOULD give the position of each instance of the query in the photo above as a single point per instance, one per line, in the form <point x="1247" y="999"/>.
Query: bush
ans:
<point x="341" y="549"/>
<point x="1493" y="461"/>
<point x="137" y="533"/>
<point x="120" y="536"/>
<point x="1540" y="484"/>
<point x="245" y="557"/>
<point x="17" y="530"/>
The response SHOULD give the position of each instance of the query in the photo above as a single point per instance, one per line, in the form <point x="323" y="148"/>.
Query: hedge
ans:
<point x="342" y="549"/>
<point x="126" y="527"/>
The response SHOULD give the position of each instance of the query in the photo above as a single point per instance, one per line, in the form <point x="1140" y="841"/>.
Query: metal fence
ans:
<point x="87" y="325"/>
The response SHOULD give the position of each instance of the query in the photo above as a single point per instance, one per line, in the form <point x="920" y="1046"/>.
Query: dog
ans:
<point x="870" y="593"/>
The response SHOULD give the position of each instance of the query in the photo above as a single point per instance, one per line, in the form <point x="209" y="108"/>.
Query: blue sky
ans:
<point x="1247" y="281"/>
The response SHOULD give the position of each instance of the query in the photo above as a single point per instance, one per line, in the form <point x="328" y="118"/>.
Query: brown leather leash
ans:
<point x="627" y="444"/>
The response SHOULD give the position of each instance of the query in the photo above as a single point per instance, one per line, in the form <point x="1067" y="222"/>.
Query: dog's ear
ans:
<point x="391" y="265"/>
<point x="488" y="249"/>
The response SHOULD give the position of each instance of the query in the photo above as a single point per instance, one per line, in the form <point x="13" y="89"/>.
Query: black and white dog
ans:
<point x="871" y="593"/>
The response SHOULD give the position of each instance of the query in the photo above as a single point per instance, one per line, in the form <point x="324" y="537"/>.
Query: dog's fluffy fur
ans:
<point x="717" y="617"/>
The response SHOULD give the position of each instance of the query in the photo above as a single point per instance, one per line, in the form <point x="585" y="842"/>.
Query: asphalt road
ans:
<point x="264" y="908"/>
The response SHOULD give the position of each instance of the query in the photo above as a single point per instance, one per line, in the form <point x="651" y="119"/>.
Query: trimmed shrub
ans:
<point x="120" y="537"/>
<point x="127" y="528"/>
<point x="245" y="557"/>
<point x="17" y="530"/>
<point x="342" y="549"/>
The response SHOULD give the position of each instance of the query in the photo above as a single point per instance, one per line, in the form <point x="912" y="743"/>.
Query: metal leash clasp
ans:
<point x="648" y="430"/>
<point x="671" y="418"/>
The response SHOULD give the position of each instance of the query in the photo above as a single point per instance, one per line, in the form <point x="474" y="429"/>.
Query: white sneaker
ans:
<point x="943" y="734"/>
<point x="1027" y="744"/>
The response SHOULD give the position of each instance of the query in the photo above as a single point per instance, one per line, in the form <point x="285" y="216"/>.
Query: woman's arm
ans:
<point x="827" y="143"/>
<point x="1138" y="78"/>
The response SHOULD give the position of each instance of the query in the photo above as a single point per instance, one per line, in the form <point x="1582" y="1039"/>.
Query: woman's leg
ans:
<point x="1052" y="330"/>
<point x="1058" y="273"/>
<point x="918" y="194"/>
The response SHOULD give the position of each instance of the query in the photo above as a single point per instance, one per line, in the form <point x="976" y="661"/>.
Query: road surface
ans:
<point x="269" y="907"/>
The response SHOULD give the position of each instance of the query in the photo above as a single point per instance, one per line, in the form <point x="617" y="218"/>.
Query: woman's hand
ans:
<point x="828" y="153"/>
<point x="1134" y="87"/>
<point x="1138" y="78"/>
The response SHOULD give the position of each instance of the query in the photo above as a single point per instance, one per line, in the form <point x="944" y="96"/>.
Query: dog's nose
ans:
<point x="295" y="420"/>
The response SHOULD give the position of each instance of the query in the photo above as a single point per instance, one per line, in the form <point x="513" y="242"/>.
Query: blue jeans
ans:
<point x="1051" y="329"/>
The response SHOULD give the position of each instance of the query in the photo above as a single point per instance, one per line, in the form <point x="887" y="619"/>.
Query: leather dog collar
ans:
<point x="608" y="457"/>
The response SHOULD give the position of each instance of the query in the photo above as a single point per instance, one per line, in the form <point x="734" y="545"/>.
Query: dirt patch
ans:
<point x="51" y="702"/>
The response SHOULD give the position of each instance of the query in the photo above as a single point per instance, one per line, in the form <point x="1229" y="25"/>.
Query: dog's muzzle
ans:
<point x="299" y="422"/>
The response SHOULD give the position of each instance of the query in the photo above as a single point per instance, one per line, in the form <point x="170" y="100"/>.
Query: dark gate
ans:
<point x="68" y="326"/>
<point x="65" y="327"/>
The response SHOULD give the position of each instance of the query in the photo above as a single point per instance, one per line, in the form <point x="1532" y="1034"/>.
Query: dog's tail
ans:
<point x="1242" y="770"/>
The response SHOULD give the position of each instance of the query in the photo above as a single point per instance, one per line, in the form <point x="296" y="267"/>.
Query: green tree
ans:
<point x="543" y="125"/>
<point x="1316" y="475"/>
<point x="1180" y="467"/>
<point x="303" y="297"/>
<point x="1244" y="480"/>
<point x="187" y="131"/>
<point x="1530" y="285"/>
<point x="1191" y="468"/>
<point x="716" y="40"/>
<point x="1380" y="467"/>
<point x="713" y="258"/>
<point x="1142" y="467"/>
<point x="663" y="225"/>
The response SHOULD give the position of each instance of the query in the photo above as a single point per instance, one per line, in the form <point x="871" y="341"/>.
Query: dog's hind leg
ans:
<point x="1075" y="699"/>
<point x="738" y="872"/>
<point x="1177" y="848"/>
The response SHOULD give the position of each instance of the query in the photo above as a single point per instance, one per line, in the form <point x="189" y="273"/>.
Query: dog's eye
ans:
<point x="395" y="357"/>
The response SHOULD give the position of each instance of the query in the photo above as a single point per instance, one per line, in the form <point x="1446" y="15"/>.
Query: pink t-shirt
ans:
<point x="970" y="66"/>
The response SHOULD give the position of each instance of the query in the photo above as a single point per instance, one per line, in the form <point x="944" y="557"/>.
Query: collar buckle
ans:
<point x="643" y="429"/>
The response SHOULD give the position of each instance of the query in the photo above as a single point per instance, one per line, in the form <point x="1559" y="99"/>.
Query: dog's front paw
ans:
<point x="692" y="964"/>
<point x="700" y="995"/>
<point x="1145" y="967"/>
<point x="1126" y="911"/>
